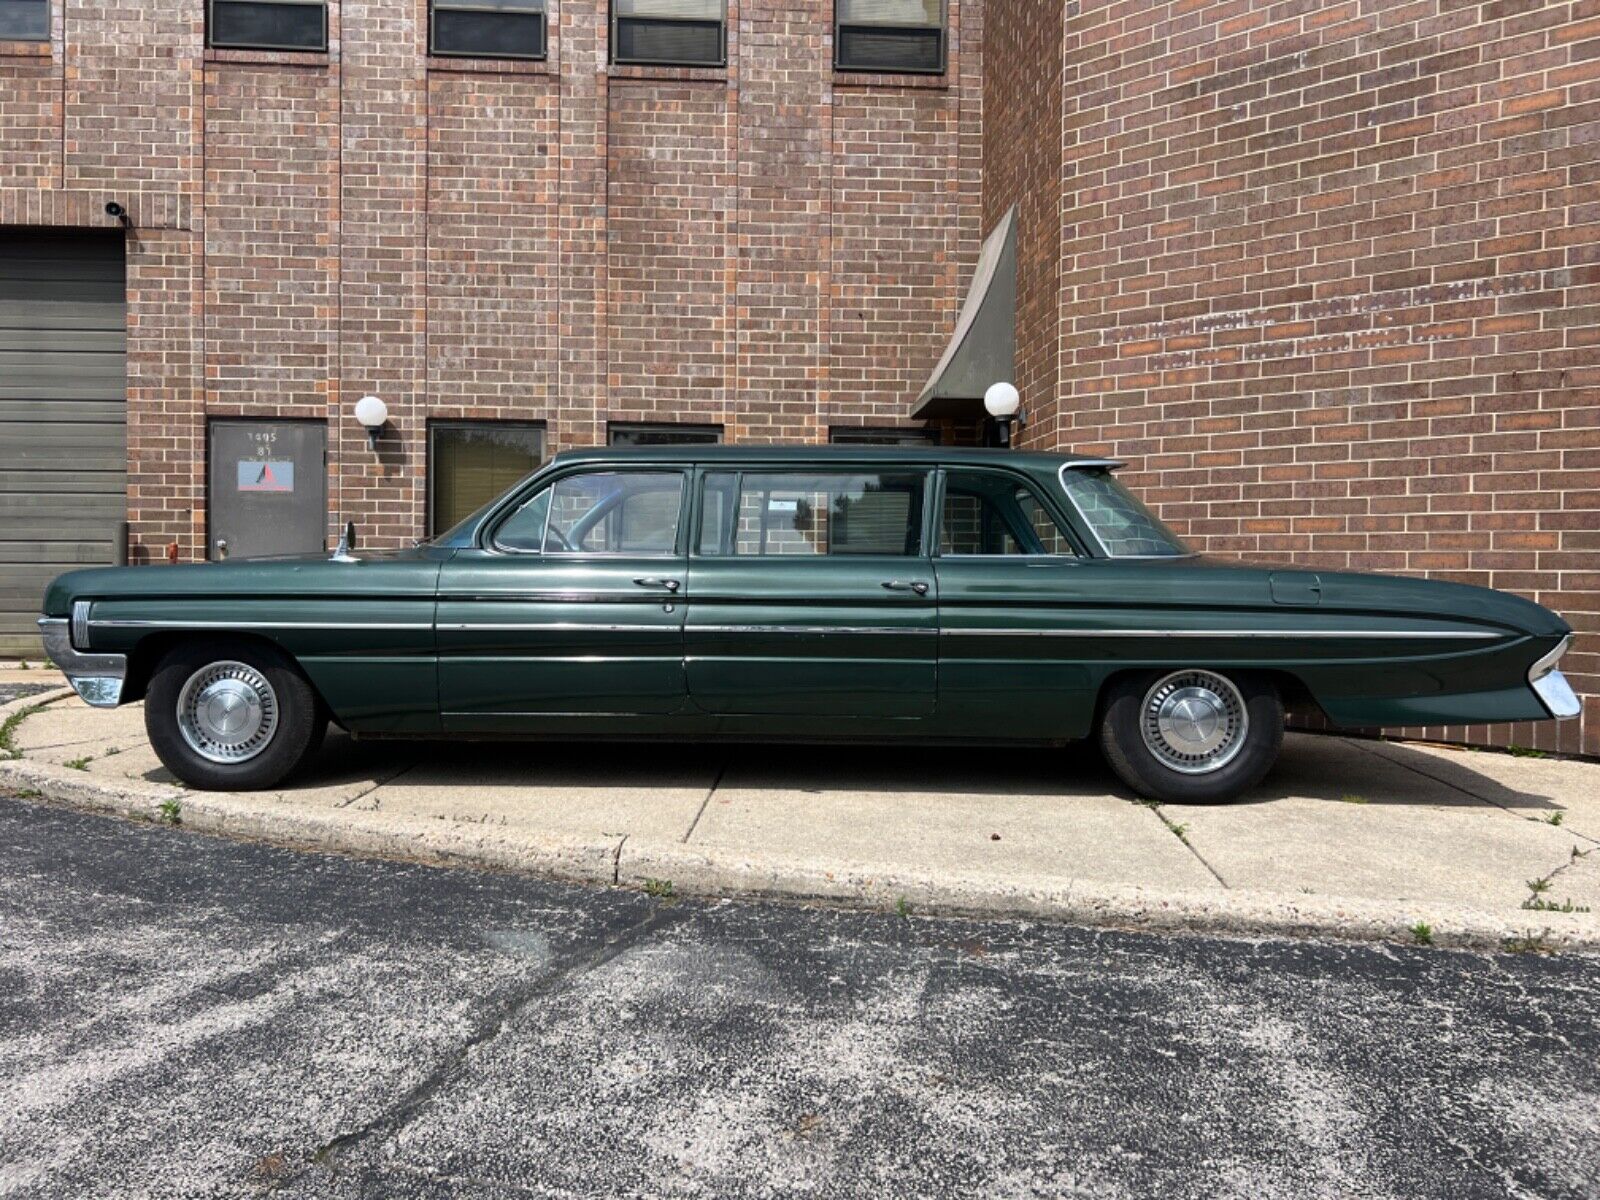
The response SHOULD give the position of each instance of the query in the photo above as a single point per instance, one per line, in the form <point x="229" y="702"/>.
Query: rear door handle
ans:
<point x="671" y="585"/>
<point x="919" y="586"/>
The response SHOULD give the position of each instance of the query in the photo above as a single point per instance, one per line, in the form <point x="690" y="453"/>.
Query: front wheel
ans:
<point x="1192" y="735"/>
<point x="226" y="716"/>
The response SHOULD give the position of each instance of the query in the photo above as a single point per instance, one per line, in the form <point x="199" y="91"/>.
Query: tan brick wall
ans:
<point x="1329" y="280"/>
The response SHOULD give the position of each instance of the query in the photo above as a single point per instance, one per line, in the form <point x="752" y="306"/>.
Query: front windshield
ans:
<point x="1123" y="527"/>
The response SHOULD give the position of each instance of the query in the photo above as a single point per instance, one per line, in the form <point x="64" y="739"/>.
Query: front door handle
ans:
<point x="919" y="586"/>
<point x="671" y="585"/>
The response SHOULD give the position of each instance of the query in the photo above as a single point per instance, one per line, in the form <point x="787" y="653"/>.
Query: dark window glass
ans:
<point x="849" y="435"/>
<point x="24" y="20"/>
<point x="812" y="513"/>
<point x="664" y="435"/>
<point x="682" y="32"/>
<point x="470" y="463"/>
<point x="262" y="25"/>
<point x="893" y="36"/>
<point x="489" y="28"/>
<point x="986" y="512"/>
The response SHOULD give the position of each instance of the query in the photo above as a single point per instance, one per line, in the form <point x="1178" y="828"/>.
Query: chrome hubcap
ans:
<point x="1194" y="721"/>
<point x="227" y="712"/>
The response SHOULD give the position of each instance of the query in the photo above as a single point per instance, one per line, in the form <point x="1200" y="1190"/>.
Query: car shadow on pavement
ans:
<point x="1313" y="766"/>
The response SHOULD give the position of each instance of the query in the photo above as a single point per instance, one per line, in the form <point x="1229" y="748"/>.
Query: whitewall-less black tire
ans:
<point x="231" y="716"/>
<point x="1191" y="735"/>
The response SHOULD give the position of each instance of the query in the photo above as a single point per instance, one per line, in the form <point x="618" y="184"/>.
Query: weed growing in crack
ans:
<point x="660" y="889"/>
<point x="8" y="731"/>
<point x="902" y="908"/>
<point x="1538" y="886"/>
<point x="1525" y="752"/>
<point x="1529" y="943"/>
<point x="171" y="812"/>
<point x="1352" y="798"/>
<point x="79" y="764"/>
<point x="1540" y="904"/>
<point x="1422" y="933"/>
<point x="1555" y="818"/>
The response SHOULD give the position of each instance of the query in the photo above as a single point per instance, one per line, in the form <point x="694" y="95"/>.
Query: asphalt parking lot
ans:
<point x="185" y="1015"/>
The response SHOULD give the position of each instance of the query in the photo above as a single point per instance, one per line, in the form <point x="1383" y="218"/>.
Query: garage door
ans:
<point x="63" y="415"/>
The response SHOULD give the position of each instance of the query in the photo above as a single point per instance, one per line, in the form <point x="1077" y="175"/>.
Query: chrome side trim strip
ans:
<point x="637" y="596"/>
<point x="172" y="623"/>
<point x="1224" y="633"/>
<point x="871" y="629"/>
<point x="553" y="627"/>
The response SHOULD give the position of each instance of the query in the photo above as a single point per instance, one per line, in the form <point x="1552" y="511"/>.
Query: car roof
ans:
<point x="716" y="454"/>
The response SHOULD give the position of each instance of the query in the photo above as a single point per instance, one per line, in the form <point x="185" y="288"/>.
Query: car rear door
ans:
<point x="812" y="594"/>
<point x="574" y="608"/>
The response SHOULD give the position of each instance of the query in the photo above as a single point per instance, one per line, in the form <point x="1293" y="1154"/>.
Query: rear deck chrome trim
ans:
<point x="1464" y="634"/>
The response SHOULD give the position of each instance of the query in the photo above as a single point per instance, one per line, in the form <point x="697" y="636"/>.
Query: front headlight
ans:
<point x="1551" y="686"/>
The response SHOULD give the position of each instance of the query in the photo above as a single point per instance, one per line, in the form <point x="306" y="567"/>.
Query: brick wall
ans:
<point x="1330" y="280"/>
<point x="564" y="241"/>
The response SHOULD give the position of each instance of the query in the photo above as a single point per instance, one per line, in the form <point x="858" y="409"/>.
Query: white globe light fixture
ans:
<point x="1002" y="402"/>
<point x="372" y="413"/>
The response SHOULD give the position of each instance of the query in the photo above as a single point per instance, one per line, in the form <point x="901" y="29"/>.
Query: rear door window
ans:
<point x="759" y="513"/>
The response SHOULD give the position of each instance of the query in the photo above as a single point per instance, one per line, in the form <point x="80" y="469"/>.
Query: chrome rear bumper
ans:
<point x="96" y="677"/>
<point x="1551" y="686"/>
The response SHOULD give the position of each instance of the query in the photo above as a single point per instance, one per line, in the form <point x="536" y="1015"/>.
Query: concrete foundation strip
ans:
<point x="631" y="862"/>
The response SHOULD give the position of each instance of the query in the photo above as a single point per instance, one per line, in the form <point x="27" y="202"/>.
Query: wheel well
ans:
<point x="145" y="656"/>
<point x="1297" y="698"/>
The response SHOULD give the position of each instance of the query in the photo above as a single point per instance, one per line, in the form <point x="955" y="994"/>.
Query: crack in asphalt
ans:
<point x="396" y="1116"/>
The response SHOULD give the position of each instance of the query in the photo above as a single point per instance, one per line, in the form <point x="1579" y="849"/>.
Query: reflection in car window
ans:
<point x="524" y="529"/>
<point x="987" y="512"/>
<point x="812" y="513"/>
<point x="606" y="512"/>
<point x="1123" y="526"/>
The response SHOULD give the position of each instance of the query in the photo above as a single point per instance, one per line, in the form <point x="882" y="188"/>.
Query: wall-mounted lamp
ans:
<point x="373" y="413"/>
<point x="1002" y="402"/>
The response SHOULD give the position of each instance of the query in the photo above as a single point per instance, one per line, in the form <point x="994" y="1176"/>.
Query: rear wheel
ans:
<point x="1191" y="735"/>
<point x="231" y="716"/>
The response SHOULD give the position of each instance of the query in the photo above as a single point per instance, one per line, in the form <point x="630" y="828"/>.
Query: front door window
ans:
<point x="603" y="512"/>
<point x="992" y="513"/>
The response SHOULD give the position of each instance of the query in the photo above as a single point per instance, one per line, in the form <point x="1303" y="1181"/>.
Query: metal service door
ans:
<point x="268" y="488"/>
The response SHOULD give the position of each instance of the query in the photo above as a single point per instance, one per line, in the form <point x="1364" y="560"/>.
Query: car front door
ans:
<point x="1013" y="661"/>
<point x="812" y="595"/>
<point x="573" y="607"/>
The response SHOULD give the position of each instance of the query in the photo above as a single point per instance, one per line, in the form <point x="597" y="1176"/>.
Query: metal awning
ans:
<point x="982" y="349"/>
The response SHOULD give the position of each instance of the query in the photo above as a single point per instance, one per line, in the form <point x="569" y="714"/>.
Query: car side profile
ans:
<point x="825" y="593"/>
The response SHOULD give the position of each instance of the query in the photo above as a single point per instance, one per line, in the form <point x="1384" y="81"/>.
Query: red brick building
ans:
<point x="1324" y="273"/>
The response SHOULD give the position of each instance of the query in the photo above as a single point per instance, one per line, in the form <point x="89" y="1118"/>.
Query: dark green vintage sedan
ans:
<point x="798" y="593"/>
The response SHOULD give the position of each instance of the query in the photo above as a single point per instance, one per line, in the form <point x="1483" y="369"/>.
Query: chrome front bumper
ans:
<point x="1551" y="686"/>
<point x="96" y="677"/>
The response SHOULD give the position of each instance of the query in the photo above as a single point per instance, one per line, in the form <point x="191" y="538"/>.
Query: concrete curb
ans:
<point x="11" y="707"/>
<point x="692" y="871"/>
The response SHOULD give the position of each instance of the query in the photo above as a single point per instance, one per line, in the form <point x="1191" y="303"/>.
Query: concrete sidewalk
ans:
<point x="1347" y="837"/>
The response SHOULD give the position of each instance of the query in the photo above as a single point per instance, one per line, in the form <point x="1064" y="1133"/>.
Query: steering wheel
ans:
<point x="551" y="532"/>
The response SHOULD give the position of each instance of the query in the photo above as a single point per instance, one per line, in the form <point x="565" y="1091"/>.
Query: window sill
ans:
<point x="45" y="50"/>
<point x="276" y="58"/>
<point x="465" y="65"/>
<point x="885" y="79"/>
<point x="676" y="74"/>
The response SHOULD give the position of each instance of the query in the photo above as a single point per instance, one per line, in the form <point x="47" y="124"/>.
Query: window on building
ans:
<point x="895" y="36"/>
<point x="487" y="28"/>
<point x="856" y="435"/>
<point x="663" y="435"/>
<point x="989" y="512"/>
<point x="812" y="513"/>
<point x="472" y="462"/>
<point x="24" y="20"/>
<point x="267" y="24"/>
<point x="690" y="33"/>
